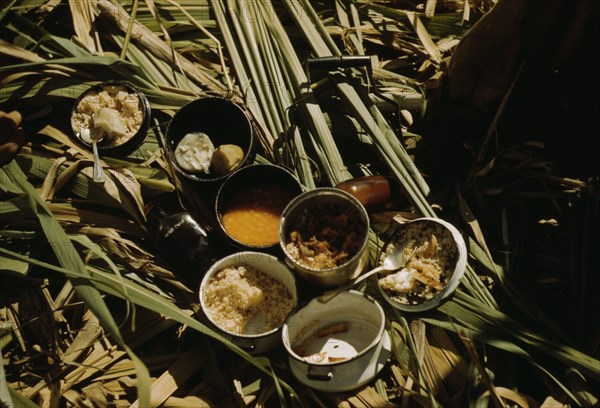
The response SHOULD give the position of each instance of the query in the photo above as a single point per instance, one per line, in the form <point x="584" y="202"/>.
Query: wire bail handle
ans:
<point x="354" y="61"/>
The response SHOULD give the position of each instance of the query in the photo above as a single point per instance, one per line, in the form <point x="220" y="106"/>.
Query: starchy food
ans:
<point x="226" y="158"/>
<point x="113" y="109"/>
<point x="194" y="152"/>
<point x="239" y="298"/>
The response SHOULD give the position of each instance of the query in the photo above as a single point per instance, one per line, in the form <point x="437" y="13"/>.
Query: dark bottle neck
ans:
<point x="154" y="214"/>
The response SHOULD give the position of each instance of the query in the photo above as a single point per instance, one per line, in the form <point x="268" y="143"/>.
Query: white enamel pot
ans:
<point x="352" y="357"/>
<point x="254" y="341"/>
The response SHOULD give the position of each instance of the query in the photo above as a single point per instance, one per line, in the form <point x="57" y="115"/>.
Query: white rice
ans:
<point x="115" y="97"/>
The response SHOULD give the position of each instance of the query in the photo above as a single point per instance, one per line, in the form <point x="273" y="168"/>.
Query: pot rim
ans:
<point x="372" y="346"/>
<point x="217" y="266"/>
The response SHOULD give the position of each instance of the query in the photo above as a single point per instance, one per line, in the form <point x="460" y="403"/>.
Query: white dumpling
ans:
<point x="109" y="120"/>
<point x="194" y="153"/>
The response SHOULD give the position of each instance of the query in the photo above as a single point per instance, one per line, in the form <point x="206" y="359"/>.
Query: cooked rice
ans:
<point x="236" y="295"/>
<point x="116" y="97"/>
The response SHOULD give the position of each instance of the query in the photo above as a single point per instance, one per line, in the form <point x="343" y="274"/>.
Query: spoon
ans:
<point x="393" y="261"/>
<point x="96" y="135"/>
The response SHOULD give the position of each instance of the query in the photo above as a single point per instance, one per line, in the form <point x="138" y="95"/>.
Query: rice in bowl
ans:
<point x="241" y="299"/>
<point x="110" y="98"/>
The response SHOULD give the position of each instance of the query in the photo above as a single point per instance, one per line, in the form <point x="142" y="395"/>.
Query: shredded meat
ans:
<point x="431" y="253"/>
<point x="327" y="236"/>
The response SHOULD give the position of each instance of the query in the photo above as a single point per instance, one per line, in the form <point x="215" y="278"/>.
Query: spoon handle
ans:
<point x="98" y="176"/>
<point x="326" y="297"/>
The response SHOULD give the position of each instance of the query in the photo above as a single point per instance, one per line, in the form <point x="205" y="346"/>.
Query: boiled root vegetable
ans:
<point x="226" y="158"/>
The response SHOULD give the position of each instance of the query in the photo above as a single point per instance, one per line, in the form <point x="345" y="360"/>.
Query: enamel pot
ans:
<point x="339" y="345"/>
<point x="254" y="340"/>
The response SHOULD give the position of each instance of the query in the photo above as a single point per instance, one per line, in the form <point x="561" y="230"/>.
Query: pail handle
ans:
<point x="325" y="376"/>
<point x="245" y="345"/>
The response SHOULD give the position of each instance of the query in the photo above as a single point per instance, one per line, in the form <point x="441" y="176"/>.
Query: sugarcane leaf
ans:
<point x="475" y="315"/>
<point x="582" y="388"/>
<point x="123" y="69"/>
<point x="424" y="36"/>
<point x="18" y="400"/>
<point x="82" y="15"/>
<point x="6" y="8"/>
<point x="15" y="208"/>
<point x="6" y="396"/>
<point x="128" y="290"/>
<point x="7" y="48"/>
<point x="23" y="242"/>
<point x="126" y="190"/>
<point x="64" y="251"/>
<point x="469" y="218"/>
<point x="48" y="189"/>
<point x="38" y="86"/>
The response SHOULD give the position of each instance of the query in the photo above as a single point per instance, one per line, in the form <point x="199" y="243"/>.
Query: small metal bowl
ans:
<point x="244" y="185"/>
<point x="295" y="216"/>
<point x="106" y="147"/>
<point x="455" y="256"/>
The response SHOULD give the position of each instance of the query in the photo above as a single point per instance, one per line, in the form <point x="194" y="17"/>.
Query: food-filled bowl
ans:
<point x="247" y="296"/>
<point x="324" y="236"/>
<point x="118" y="110"/>
<point x="250" y="202"/>
<point x="209" y="138"/>
<point x="339" y="345"/>
<point x="435" y="258"/>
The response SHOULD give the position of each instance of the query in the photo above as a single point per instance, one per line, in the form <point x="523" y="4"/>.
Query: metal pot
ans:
<point x="349" y="358"/>
<point x="257" y="341"/>
<point x="292" y="217"/>
<point x="224" y="121"/>
<point x="259" y="174"/>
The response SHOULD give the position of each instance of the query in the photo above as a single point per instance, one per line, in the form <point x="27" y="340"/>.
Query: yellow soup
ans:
<point x="252" y="216"/>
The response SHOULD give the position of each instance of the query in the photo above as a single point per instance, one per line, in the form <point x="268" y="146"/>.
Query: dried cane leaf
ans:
<point x="83" y="17"/>
<point x="64" y="250"/>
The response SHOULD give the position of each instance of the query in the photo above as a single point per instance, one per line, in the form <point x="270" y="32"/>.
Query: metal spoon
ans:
<point x="394" y="261"/>
<point x="96" y="135"/>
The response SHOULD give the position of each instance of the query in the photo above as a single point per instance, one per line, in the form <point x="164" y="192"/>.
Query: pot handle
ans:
<point x="326" y="375"/>
<point x="245" y="345"/>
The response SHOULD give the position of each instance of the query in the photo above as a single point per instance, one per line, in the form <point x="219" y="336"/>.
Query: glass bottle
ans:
<point x="373" y="192"/>
<point x="181" y="241"/>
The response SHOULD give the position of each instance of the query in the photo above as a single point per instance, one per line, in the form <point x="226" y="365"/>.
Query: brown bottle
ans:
<point x="373" y="192"/>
